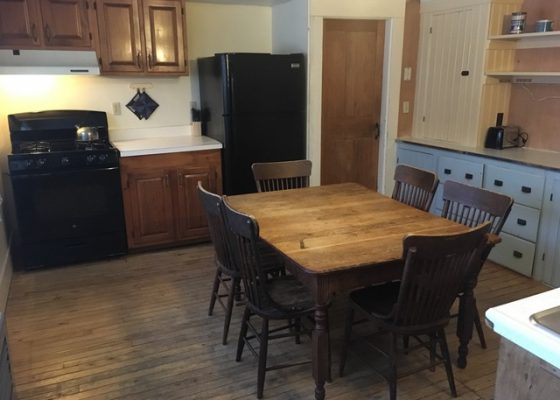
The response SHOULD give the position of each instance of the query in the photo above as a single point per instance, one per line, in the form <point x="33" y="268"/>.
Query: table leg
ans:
<point x="465" y="324"/>
<point x="320" y="349"/>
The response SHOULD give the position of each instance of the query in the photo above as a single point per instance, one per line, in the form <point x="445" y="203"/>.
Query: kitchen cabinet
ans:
<point x="142" y="37"/>
<point x="522" y="247"/>
<point x="161" y="199"/>
<point x="45" y="24"/>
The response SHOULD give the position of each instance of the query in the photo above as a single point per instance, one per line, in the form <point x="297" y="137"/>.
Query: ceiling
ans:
<point x="242" y="2"/>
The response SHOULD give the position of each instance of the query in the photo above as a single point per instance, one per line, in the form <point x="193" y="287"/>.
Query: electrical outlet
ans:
<point x="116" y="108"/>
<point x="407" y="75"/>
<point x="405" y="107"/>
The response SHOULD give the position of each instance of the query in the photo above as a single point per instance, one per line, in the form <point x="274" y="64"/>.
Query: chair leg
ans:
<point x="242" y="333"/>
<point x="406" y="342"/>
<point x="393" y="368"/>
<point x="433" y="342"/>
<point x="297" y="329"/>
<point x="233" y="289"/>
<point x="215" y="288"/>
<point x="263" y="351"/>
<point x="346" y="339"/>
<point x="447" y="361"/>
<point x="478" y="326"/>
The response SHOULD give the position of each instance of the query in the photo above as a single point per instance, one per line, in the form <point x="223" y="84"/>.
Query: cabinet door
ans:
<point x="192" y="221"/>
<point x="120" y="42"/>
<point x="65" y="23"/>
<point x="20" y="23"/>
<point x="148" y="197"/>
<point x="165" y="36"/>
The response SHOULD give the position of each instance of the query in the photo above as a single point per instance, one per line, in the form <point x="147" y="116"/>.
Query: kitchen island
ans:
<point x="529" y="359"/>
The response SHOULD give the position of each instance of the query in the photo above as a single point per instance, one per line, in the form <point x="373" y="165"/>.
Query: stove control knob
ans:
<point x="90" y="158"/>
<point x="64" y="161"/>
<point x="41" y="162"/>
<point x="29" y="163"/>
<point x="103" y="157"/>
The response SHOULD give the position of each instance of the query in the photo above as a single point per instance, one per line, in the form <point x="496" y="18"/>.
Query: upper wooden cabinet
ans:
<point x="45" y="24"/>
<point x="142" y="37"/>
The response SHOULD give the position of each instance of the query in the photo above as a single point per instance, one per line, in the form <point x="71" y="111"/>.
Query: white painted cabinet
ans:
<point x="524" y="238"/>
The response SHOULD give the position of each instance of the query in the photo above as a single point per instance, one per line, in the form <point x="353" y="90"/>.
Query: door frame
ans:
<point x="390" y="95"/>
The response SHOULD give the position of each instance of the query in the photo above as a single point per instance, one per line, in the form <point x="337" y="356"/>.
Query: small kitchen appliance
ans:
<point x="64" y="194"/>
<point x="504" y="137"/>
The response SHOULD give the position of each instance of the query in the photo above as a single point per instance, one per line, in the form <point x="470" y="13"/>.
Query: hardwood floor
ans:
<point x="137" y="328"/>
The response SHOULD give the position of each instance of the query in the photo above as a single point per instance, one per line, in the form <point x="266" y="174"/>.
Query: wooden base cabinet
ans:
<point x="161" y="199"/>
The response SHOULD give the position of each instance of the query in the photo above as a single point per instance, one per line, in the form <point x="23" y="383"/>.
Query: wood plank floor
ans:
<point x="137" y="328"/>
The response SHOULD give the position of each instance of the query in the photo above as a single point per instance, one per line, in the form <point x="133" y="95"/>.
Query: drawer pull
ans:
<point x="521" y="222"/>
<point x="498" y="182"/>
<point x="447" y="171"/>
<point x="517" y="254"/>
<point x="469" y="176"/>
<point x="525" y="189"/>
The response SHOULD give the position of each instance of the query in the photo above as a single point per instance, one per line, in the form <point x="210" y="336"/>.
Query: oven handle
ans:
<point x="64" y="172"/>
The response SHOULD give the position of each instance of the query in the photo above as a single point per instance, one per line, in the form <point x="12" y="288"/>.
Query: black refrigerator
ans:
<point x="255" y="105"/>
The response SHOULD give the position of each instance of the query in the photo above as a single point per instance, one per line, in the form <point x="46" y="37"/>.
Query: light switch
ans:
<point x="407" y="73"/>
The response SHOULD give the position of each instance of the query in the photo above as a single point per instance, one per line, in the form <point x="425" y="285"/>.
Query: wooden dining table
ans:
<point x="336" y="238"/>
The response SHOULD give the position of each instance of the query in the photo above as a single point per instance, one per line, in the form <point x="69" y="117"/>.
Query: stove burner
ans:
<point x="35" y="147"/>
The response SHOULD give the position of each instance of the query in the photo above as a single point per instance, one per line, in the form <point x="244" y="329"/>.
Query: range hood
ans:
<point x="48" y="62"/>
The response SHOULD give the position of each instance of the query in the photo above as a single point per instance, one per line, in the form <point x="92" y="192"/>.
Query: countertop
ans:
<point x="165" y="144"/>
<point x="512" y="321"/>
<point x="521" y="155"/>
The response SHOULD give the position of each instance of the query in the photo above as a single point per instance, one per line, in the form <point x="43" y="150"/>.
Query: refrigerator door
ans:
<point x="254" y="104"/>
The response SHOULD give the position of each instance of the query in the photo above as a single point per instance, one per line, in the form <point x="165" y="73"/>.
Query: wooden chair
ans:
<point x="281" y="298"/>
<point x="414" y="187"/>
<point x="227" y="273"/>
<point x="281" y="175"/>
<point x="472" y="206"/>
<point x="435" y="268"/>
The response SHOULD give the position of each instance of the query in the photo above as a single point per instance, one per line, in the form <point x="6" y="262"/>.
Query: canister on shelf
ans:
<point x="543" y="25"/>
<point x="518" y="22"/>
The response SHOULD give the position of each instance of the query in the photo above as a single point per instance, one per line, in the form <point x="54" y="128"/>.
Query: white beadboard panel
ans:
<point x="448" y="103"/>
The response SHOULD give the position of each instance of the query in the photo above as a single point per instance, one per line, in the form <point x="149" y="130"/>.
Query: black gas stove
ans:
<point x="65" y="193"/>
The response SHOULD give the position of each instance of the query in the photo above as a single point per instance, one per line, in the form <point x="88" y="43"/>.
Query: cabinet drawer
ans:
<point x="523" y="187"/>
<point x="514" y="253"/>
<point x="458" y="170"/>
<point x="523" y="222"/>
<point x="416" y="159"/>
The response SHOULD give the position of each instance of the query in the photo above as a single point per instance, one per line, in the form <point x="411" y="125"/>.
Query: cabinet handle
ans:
<point x="517" y="254"/>
<point x="150" y="61"/>
<point x="497" y="182"/>
<point x="166" y="180"/>
<point x="525" y="189"/>
<point x="48" y="32"/>
<point x="521" y="222"/>
<point x="468" y="176"/>
<point x="179" y="178"/>
<point x="447" y="171"/>
<point x="139" y="59"/>
<point x="34" y="32"/>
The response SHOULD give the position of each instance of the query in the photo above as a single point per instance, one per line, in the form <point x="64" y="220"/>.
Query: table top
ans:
<point x="335" y="227"/>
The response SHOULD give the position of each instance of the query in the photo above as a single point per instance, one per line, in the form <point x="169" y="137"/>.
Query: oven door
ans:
<point x="67" y="217"/>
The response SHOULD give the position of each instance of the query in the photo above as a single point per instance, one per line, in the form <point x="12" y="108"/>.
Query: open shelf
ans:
<point x="532" y="39"/>
<point x="525" y="77"/>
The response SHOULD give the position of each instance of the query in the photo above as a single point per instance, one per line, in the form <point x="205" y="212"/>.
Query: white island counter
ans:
<point x="529" y="362"/>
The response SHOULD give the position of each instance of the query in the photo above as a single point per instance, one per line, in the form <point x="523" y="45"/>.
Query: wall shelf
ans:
<point x="531" y="40"/>
<point x="525" y="77"/>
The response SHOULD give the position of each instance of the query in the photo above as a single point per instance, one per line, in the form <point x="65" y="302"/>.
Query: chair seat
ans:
<point x="289" y="297"/>
<point x="377" y="300"/>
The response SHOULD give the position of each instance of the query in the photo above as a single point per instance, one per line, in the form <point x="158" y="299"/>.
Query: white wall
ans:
<point x="393" y="12"/>
<point x="290" y="27"/>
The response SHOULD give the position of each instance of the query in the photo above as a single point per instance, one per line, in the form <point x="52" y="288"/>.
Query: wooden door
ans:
<point x="191" y="216"/>
<point x="148" y="195"/>
<point x="120" y="41"/>
<point x="20" y="24"/>
<point x="165" y="36"/>
<point x="66" y="24"/>
<point x="351" y="102"/>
